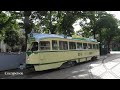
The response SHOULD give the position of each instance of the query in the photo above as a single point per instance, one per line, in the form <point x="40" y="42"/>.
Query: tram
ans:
<point x="49" y="51"/>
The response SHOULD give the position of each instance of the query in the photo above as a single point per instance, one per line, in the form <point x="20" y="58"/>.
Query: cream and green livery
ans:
<point x="48" y="51"/>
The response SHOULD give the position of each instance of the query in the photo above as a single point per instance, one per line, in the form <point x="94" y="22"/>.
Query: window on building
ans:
<point x="72" y="45"/>
<point x="44" y="45"/>
<point x="63" y="45"/>
<point x="79" y="45"/>
<point x="54" y="45"/>
<point x="84" y="45"/>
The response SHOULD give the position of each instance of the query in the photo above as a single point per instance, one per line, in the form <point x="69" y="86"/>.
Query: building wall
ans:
<point x="10" y="61"/>
<point x="3" y="46"/>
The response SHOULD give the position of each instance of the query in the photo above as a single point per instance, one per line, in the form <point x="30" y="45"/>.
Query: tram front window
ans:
<point x="34" y="46"/>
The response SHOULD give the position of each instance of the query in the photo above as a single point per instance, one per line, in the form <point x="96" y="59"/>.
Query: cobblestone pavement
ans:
<point x="107" y="67"/>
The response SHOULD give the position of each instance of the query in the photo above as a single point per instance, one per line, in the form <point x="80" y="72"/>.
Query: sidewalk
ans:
<point x="109" y="68"/>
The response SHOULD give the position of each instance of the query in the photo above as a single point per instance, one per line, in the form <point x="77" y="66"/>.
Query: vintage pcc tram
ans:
<point x="48" y="51"/>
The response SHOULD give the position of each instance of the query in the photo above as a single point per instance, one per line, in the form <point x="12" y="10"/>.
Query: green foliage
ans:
<point x="59" y="22"/>
<point x="90" y="27"/>
<point x="103" y="26"/>
<point x="11" y="38"/>
<point x="108" y="27"/>
<point x="7" y="22"/>
<point x="3" y="20"/>
<point x="9" y="28"/>
<point x="66" y="24"/>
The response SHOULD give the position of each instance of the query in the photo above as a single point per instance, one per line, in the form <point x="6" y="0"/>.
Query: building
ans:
<point x="3" y="46"/>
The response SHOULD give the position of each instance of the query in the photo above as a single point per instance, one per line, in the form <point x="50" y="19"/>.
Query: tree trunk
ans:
<point x="50" y="31"/>
<point x="12" y="49"/>
<point x="100" y="43"/>
<point x="94" y="35"/>
<point x="26" y="38"/>
<point x="108" y="45"/>
<point x="93" y="32"/>
<point x="108" y="50"/>
<point x="27" y="27"/>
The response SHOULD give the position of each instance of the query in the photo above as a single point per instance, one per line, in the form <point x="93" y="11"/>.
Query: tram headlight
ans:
<point x="27" y="58"/>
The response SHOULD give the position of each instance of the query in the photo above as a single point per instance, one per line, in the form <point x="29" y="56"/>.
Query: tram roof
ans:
<point x="38" y="37"/>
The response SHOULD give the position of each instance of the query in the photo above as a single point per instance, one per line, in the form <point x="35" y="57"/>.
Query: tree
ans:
<point x="59" y="22"/>
<point x="68" y="19"/>
<point x="27" y="26"/>
<point x="116" y="41"/>
<point x="8" y="27"/>
<point x="5" y="22"/>
<point x="92" y="17"/>
<point x="102" y="24"/>
<point x="107" y="27"/>
<point x="11" y="38"/>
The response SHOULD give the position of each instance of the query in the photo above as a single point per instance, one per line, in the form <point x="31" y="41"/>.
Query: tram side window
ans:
<point x="63" y="45"/>
<point x="97" y="46"/>
<point x="94" y="46"/>
<point x="54" y="45"/>
<point x="44" y="45"/>
<point x="84" y="45"/>
<point x="89" y="46"/>
<point x="34" y="46"/>
<point x="72" y="45"/>
<point x="79" y="45"/>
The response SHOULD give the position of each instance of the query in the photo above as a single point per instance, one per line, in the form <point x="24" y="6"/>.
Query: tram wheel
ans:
<point x="68" y="64"/>
<point x="94" y="58"/>
<point x="73" y="63"/>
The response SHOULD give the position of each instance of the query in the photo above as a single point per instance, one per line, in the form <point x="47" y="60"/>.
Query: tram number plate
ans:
<point x="79" y="54"/>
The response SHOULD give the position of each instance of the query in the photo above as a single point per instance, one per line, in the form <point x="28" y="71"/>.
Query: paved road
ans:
<point x="107" y="67"/>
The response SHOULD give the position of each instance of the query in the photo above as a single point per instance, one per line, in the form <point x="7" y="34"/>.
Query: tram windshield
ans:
<point x="34" y="46"/>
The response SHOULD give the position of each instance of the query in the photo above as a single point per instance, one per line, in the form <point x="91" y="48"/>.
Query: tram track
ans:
<point x="103" y="62"/>
<point x="91" y="76"/>
<point x="110" y="70"/>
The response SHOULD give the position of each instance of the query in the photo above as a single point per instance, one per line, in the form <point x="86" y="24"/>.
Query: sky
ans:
<point x="115" y="13"/>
